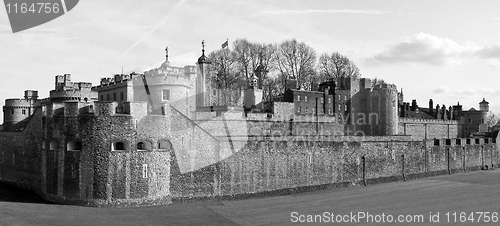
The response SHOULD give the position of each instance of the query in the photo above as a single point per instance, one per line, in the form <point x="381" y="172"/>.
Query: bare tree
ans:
<point x="335" y="66"/>
<point x="296" y="60"/>
<point x="246" y="58"/>
<point x="224" y="75"/>
<point x="266" y="59"/>
<point x="492" y="119"/>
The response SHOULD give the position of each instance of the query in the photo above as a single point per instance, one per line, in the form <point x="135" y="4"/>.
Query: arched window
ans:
<point x="74" y="146"/>
<point x="144" y="146"/>
<point x="164" y="145"/>
<point x="140" y="145"/>
<point x="119" y="146"/>
<point x="43" y="144"/>
<point x="54" y="145"/>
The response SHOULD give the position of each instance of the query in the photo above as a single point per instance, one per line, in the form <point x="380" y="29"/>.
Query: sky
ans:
<point x="445" y="50"/>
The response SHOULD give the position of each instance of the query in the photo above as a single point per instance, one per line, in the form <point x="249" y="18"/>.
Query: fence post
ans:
<point x="364" y="169"/>
<point x="492" y="163"/>
<point x="449" y="167"/>
<point x="403" y="166"/>
<point x="482" y="158"/>
<point x="426" y="164"/>
<point x="465" y="162"/>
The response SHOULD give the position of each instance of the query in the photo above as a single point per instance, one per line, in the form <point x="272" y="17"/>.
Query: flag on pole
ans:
<point x="224" y="45"/>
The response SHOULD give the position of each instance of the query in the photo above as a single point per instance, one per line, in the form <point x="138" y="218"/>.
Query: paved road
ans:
<point x="470" y="192"/>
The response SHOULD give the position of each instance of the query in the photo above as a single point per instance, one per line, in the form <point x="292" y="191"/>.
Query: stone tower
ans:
<point x="202" y="99"/>
<point x="166" y="84"/>
<point x="484" y="106"/>
<point x="17" y="110"/>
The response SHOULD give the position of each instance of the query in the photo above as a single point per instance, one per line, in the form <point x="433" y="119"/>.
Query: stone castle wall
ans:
<point x="421" y="129"/>
<point x="184" y="159"/>
<point x="41" y="158"/>
<point x="266" y="166"/>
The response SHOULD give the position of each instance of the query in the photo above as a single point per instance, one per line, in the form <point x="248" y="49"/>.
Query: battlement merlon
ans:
<point x="187" y="71"/>
<point x="117" y="79"/>
<point x="390" y="87"/>
<point x="427" y="121"/>
<point x="136" y="109"/>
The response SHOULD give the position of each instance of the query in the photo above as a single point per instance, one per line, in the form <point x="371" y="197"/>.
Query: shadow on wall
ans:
<point x="10" y="193"/>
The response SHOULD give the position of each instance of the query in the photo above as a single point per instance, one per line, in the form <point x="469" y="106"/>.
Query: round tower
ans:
<point x="390" y="107"/>
<point x="165" y="84"/>
<point x="382" y="111"/>
<point x="484" y="106"/>
<point x="17" y="110"/>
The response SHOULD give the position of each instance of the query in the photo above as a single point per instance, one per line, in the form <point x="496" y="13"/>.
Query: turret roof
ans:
<point x="483" y="102"/>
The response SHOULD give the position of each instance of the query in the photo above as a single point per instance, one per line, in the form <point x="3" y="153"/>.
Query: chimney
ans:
<point x="438" y="112"/>
<point x="414" y="105"/>
<point x="431" y="107"/>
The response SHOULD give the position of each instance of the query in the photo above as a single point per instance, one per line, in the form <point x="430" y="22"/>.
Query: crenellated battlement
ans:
<point x="19" y="102"/>
<point x="422" y="121"/>
<point x="385" y="87"/>
<point x="111" y="83"/>
<point x="117" y="79"/>
<point x="136" y="109"/>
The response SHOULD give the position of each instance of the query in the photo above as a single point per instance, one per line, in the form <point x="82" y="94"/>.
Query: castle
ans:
<point x="148" y="139"/>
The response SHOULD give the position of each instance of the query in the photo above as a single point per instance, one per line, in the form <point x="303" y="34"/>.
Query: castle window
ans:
<point x="305" y="99"/>
<point x="164" y="145"/>
<point x="54" y="145"/>
<point x="299" y="109"/>
<point x="24" y="112"/>
<point x="114" y="96"/>
<point x="339" y="97"/>
<point x="144" y="146"/>
<point x="166" y="94"/>
<point x="140" y="145"/>
<point x="74" y="146"/>
<point x="469" y="120"/>
<point x="329" y="100"/>
<point x="118" y="146"/>
<point x="339" y="107"/>
<point x="345" y="107"/>
<point x="322" y="100"/>
<point x="330" y="111"/>
<point x="436" y="142"/>
<point x="12" y="111"/>
<point x="298" y="97"/>
<point x="121" y="96"/>
<point x="305" y="110"/>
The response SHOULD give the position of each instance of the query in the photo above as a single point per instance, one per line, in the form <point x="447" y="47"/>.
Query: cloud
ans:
<point x="489" y="52"/>
<point x="426" y="49"/>
<point x="480" y="91"/>
<point x="441" y="89"/>
<point x="308" y="11"/>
